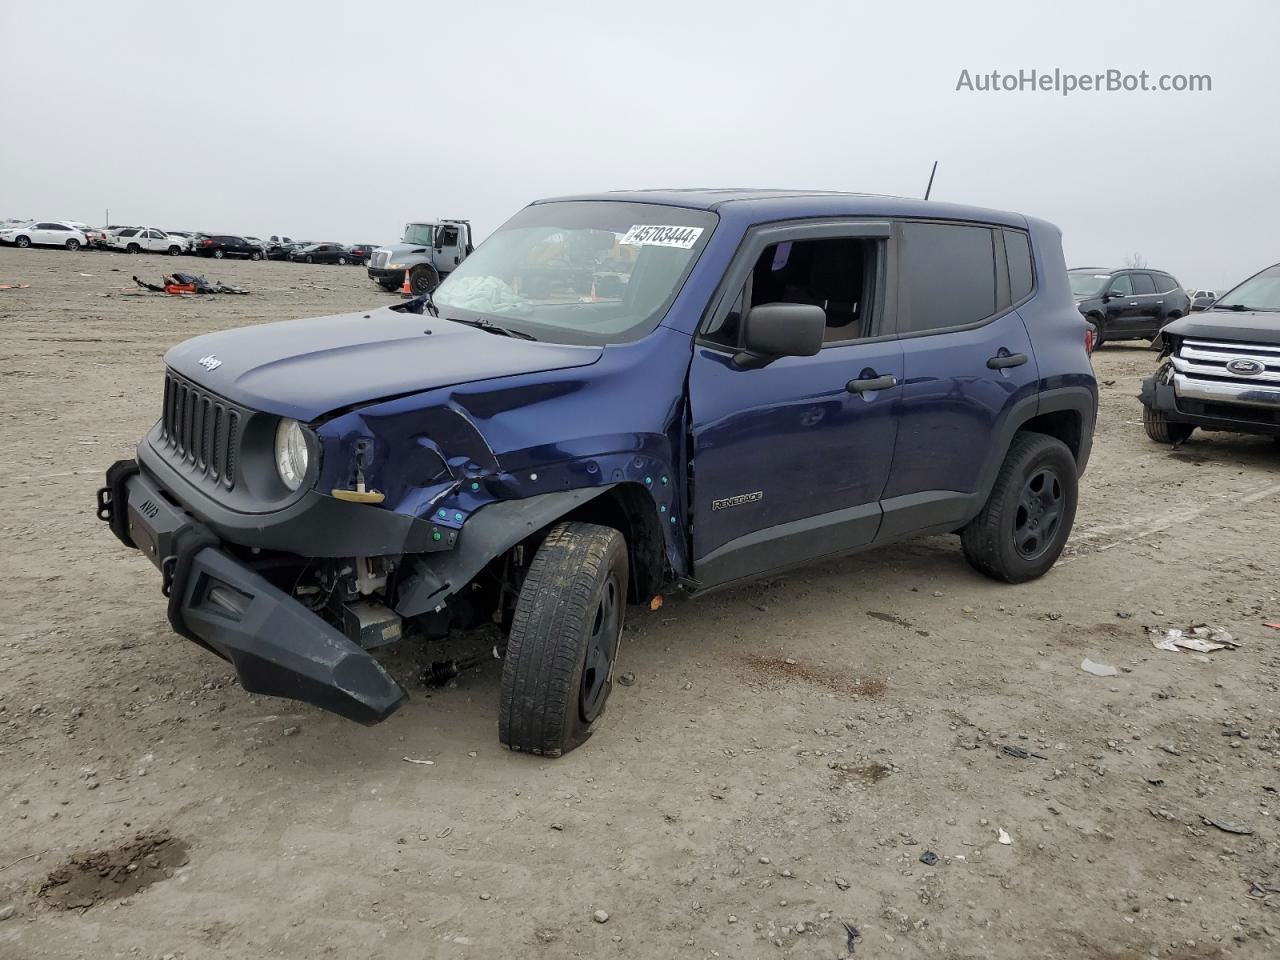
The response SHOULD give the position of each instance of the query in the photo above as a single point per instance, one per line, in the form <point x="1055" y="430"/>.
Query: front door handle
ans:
<point x="1003" y="359"/>
<point x="869" y="384"/>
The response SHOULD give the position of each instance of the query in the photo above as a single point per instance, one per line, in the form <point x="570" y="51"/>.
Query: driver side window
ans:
<point x="1121" y="286"/>
<point x="836" y="274"/>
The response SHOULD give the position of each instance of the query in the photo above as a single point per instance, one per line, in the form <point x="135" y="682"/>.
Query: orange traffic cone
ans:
<point x="407" y="289"/>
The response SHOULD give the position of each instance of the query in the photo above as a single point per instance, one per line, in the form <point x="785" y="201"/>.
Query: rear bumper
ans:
<point x="1214" y="406"/>
<point x="278" y="646"/>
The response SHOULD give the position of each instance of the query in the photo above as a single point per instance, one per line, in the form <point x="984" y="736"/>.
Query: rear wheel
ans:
<point x="73" y="244"/>
<point x="174" y="251"/>
<point x="558" y="672"/>
<point x="256" y="255"/>
<point x="133" y="248"/>
<point x="219" y="254"/>
<point x="310" y="258"/>
<point x="1163" y="430"/>
<point x="1026" y="520"/>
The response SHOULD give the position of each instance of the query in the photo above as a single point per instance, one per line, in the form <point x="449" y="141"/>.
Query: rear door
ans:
<point x="967" y="362"/>
<point x="1147" y="304"/>
<point x="789" y="460"/>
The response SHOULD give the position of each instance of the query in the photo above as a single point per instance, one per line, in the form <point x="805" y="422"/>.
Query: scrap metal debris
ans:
<point x="425" y="763"/>
<point x="1227" y="826"/>
<point x="1018" y="753"/>
<point x="14" y="286"/>
<point x="852" y="936"/>
<point x="929" y="858"/>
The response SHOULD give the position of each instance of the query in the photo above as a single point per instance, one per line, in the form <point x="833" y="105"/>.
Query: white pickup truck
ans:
<point x="146" y="239"/>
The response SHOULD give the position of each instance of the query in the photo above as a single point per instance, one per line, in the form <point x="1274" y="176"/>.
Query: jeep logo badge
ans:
<point x="210" y="362"/>
<point x="1245" y="367"/>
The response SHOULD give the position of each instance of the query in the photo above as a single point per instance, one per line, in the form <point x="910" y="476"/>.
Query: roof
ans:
<point x="760" y="205"/>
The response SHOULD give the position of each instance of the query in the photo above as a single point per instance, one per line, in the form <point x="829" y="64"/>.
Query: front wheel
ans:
<point x="423" y="279"/>
<point x="1026" y="520"/>
<point x="342" y="261"/>
<point x="1099" y="336"/>
<point x="1163" y="430"/>
<point x="73" y="245"/>
<point x="310" y="259"/>
<point x="256" y="255"/>
<point x="174" y="251"/>
<point x="558" y="671"/>
<point x="23" y="242"/>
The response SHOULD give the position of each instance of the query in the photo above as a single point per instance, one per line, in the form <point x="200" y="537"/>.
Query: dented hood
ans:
<point x="307" y="368"/>
<point x="1245" y="326"/>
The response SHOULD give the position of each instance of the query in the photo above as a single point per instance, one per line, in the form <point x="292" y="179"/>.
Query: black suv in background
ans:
<point x="226" y="245"/>
<point x="1127" y="304"/>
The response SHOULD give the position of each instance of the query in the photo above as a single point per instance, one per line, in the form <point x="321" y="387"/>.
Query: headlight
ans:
<point x="395" y="266"/>
<point x="291" y="453"/>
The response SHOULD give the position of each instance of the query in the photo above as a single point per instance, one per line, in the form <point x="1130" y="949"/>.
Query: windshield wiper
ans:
<point x="488" y="327"/>
<point x="1231" y="306"/>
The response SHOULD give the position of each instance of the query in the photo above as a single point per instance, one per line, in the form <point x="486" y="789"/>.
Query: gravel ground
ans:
<point x="819" y="749"/>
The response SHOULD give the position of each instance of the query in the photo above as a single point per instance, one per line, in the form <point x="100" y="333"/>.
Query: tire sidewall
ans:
<point x="1052" y="453"/>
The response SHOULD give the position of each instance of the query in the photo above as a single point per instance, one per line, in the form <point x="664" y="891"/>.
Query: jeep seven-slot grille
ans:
<point x="201" y="431"/>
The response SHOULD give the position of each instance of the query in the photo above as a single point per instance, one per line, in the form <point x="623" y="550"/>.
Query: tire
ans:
<point x="423" y="279"/>
<point x="73" y="245"/>
<point x="1099" y="338"/>
<point x="1163" y="430"/>
<point x="342" y="261"/>
<point x="174" y="251"/>
<point x="1026" y="520"/>
<point x="219" y="254"/>
<point x="310" y="259"/>
<point x="256" y="255"/>
<point x="133" y="248"/>
<point x="558" y="672"/>
<point x="23" y="242"/>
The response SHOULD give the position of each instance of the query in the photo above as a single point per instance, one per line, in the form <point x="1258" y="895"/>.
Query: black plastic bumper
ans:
<point x="278" y="646"/>
<point x="382" y="274"/>
<point x="1227" y="417"/>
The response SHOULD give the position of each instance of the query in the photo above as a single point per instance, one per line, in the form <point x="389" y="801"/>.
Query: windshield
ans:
<point x="1259" y="292"/>
<point x="418" y="234"/>
<point x="1088" y="283"/>
<point x="579" y="271"/>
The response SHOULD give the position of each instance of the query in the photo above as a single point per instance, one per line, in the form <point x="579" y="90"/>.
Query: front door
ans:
<point x="789" y="460"/>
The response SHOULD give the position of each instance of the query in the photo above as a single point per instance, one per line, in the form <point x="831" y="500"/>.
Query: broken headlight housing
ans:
<point x="292" y="456"/>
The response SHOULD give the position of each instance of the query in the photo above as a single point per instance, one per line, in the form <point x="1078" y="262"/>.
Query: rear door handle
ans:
<point x="1002" y="360"/>
<point x="868" y="384"/>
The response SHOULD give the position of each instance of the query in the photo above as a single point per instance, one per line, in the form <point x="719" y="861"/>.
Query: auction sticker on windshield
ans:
<point x="643" y="235"/>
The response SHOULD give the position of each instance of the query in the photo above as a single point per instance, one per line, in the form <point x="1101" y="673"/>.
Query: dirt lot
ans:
<point x="787" y="756"/>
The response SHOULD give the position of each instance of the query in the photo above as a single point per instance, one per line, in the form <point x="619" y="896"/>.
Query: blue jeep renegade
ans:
<point x="614" y="396"/>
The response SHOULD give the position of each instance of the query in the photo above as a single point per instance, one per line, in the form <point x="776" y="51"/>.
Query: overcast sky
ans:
<point x="341" y="121"/>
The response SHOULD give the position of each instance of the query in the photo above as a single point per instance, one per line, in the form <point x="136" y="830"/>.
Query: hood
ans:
<point x="307" y="368"/>
<point x="1243" y="326"/>
<point x="404" y="250"/>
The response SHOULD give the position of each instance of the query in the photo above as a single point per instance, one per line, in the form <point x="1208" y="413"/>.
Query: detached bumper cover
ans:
<point x="278" y="646"/>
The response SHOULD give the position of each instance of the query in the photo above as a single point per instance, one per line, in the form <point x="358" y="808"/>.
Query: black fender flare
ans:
<point x="490" y="532"/>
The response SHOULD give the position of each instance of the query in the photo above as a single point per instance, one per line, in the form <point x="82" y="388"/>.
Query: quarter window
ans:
<point x="948" y="276"/>
<point x="1017" y="246"/>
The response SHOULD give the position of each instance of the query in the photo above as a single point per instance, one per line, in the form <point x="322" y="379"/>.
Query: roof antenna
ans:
<point x="929" y="188"/>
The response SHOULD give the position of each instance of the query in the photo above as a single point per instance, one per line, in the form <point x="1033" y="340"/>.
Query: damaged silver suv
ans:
<point x="1220" y="368"/>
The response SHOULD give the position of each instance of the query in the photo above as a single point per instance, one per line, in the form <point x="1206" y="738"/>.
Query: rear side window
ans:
<point x="1142" y="284"/>
<point x="948" y="276"/>
<point x="1017" y="247"/>
<point x="1165" y="283"/>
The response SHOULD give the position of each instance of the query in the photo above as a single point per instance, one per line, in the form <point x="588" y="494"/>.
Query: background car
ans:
<point x="146" y="240"/>
<point x="280" y="250"/>
<point x="322" y="253"/>
<point x="1127" y="304"/>
<point x="1202" y="299"/>
<point x="221" y="245"/>
<point x="361" y="252"/>
<point x="45" y="233"/>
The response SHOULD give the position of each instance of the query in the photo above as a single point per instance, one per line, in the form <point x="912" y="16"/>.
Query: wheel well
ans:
<point x="630" y="509"/>
<point x="1062" y="424"/>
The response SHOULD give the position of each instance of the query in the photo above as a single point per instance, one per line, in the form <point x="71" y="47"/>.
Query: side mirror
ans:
<point x="774" y="330"/>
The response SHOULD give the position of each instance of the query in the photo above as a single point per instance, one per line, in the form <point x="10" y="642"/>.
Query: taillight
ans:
<point x="1088" y="340"/>
<point x="206" y="242"/>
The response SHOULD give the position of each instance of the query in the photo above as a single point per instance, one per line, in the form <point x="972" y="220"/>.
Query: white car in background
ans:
<point x="146" y="240"/>
<point x="44" y="233"/>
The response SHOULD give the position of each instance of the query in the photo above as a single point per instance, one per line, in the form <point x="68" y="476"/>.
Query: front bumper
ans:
<point x="1237" y="408"/>
<point x="383" y="274"/>
<point x="278" y="646"/>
